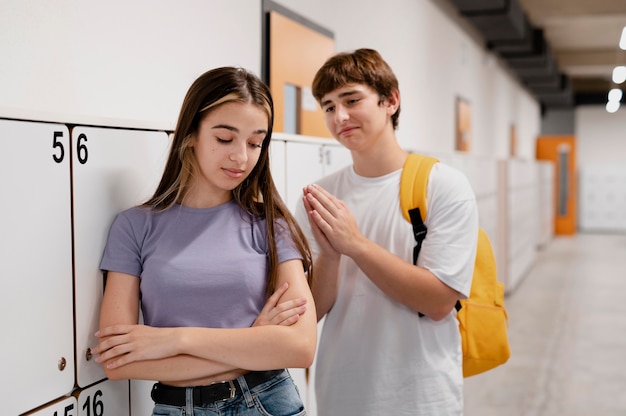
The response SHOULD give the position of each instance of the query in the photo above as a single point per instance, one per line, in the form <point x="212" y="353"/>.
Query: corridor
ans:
<point x="567" y="330"/>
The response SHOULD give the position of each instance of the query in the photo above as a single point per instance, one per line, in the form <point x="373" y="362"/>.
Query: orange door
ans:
<point x="561" y="150"/>
<point x="296" y="53"/>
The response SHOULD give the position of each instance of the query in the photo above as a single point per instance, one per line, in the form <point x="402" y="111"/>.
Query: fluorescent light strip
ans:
<point x="622" y="40"/>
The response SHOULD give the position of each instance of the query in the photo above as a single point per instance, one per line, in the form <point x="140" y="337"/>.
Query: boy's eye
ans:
<point x="329" y="109"/>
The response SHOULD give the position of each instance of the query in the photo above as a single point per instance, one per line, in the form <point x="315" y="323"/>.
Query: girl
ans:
<point x="202" y="256"/>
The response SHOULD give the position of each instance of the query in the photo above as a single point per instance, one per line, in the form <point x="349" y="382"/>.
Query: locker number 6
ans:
<point x="81" y="149"/>
<point x="97" y="405"/>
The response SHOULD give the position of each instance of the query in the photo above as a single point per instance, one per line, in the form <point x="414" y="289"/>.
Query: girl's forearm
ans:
<point x="258" y="348"/>
<point x="175" y="369"/>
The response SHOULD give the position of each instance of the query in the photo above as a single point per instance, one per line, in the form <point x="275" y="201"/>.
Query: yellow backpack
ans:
<point x="482" y="317"/>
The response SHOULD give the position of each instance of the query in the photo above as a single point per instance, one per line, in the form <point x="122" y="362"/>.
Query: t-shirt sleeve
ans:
<point x="449" y="250"/>
<point x="122" y="252"/>
<point x="285" y="245"/>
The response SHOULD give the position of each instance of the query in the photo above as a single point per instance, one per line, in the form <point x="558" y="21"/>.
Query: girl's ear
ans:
<point x="190" y="141"/>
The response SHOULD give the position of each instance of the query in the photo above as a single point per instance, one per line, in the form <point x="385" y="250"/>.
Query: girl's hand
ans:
<point x="285" y="313"/>
<point x="123" y="344"/>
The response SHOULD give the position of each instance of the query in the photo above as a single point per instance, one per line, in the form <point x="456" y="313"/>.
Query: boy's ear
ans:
<point x="393" y="101"/>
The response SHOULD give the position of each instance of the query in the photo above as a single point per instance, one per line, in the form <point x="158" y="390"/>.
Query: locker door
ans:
<point x="336" y="157"/>
<point x="64" y="407"/>
<point x="107" y="398"/>
<point x="277" y="166"/>
<point x="35" y="254"/>
<point x="113" y="169"/>
<point x="304" y="163"/>
<point x="141" y="403"/>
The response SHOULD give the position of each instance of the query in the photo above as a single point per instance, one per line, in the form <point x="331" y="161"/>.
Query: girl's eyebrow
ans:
<point x="235" y="129"/>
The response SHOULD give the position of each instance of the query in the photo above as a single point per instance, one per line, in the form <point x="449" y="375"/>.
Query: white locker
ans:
<point x="519" y="219"/>
<point x="602" y="198"/>
<point x="141" y="403"/>
<point x="307" y="162"/>
<point x="113" y="169"/>
<point x="108" y="398"/>
<point x="304" y="166"/>
<point x="335" y="157"/>
<point x="35" y="252"/>
<point x="310" y="161"/>
<point x="277" y="166"/>
<point x="64" y="407"/>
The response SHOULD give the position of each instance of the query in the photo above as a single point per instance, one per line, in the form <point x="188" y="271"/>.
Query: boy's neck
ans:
<point x="380" y="160"/>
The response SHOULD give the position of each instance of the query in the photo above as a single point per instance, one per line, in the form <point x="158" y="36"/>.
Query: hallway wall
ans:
<point x="130" y="62"/>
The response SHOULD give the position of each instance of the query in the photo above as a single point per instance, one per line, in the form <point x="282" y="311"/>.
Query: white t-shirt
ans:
<point x="377" y="357"/>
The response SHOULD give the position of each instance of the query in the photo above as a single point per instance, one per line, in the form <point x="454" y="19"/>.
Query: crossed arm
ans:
<point x="284" y="335"/>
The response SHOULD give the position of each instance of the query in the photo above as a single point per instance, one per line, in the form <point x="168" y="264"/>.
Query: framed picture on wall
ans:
<point x="513" y="141"/>
<point x="463" y="125"/>
<point x="294" y="49"/>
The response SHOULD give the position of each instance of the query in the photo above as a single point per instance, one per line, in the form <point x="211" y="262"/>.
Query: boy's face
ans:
<point x="354" y="115"/>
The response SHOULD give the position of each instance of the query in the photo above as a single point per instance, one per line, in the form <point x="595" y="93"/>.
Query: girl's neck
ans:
<point x="196" y="198"/>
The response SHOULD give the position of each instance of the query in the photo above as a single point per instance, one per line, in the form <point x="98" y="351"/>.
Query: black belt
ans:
<point x="215" y="392"/>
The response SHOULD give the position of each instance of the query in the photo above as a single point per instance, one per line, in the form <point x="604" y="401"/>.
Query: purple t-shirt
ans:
<point x="198" y="267"/>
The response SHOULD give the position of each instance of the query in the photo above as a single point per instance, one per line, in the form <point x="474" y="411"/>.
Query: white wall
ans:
<point x="123" y="60"/>
<point x="436" y="58"/>
<point x="601" y="150"/>
<point x="601" y="136"/>
<point x="134" y="60"/>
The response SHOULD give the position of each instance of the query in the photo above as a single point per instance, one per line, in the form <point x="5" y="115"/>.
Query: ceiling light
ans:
<point x="615" y="95"/>
<point x="619" y="74"/>
<point x="622" y="40"/>
<point x="612" y="106"/>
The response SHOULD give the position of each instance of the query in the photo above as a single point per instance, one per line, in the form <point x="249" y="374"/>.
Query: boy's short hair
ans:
<point x="363" y="66"/>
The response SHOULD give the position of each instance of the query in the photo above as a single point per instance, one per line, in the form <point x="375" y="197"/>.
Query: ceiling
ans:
<point x="569" y="57"/>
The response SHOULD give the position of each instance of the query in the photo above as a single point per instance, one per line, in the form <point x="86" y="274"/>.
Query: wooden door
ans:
<point x="561" y="150"/>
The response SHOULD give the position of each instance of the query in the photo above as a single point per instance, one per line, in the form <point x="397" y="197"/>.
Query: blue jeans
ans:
<point x="278" y="396"/>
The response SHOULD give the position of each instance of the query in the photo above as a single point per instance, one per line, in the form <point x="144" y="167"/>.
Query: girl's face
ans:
<point x="226" y="147"/>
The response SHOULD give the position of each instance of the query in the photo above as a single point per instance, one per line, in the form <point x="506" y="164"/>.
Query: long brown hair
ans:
<point x="257" y="194"/>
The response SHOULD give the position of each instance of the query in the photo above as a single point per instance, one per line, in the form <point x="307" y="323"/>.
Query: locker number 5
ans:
<point x="69" y="411"/>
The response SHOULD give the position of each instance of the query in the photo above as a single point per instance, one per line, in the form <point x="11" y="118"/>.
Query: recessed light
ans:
<point x="615" y="95"/>
<point x="619" y="74"/>
<point x="612" y="106"/>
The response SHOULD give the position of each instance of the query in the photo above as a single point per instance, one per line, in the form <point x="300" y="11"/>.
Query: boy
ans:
<point x="377" y="356"/>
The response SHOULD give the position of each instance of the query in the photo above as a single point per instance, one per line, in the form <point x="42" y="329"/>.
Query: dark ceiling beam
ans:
<point x="507" y="31"/>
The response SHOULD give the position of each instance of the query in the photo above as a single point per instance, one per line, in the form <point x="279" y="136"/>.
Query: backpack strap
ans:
<point x="413" y="191"/>
<point x="414" y="184"/>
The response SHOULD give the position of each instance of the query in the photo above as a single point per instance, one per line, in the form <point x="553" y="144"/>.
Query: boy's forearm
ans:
<point x="325" y="283"/>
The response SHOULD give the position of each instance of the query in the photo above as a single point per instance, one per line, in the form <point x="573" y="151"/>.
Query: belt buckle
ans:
<point x="231" y="388"/>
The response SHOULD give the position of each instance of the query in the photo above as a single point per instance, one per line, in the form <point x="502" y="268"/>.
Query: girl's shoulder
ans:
<point x="137" y="213"/>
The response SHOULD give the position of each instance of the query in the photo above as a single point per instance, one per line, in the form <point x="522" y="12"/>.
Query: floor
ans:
<point x="567" y="330"/>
